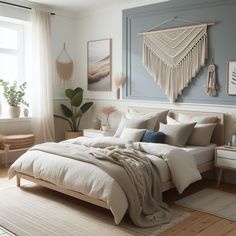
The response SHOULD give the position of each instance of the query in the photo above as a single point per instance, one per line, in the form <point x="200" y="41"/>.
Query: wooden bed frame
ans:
<point x="217" y="138"/>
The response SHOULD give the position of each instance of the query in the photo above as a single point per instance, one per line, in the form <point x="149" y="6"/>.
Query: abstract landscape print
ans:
<point x="232" y="78"/>
<point x="99" y="65"/>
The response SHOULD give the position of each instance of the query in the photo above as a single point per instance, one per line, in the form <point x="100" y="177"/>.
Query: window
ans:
<point x="13" y="51"/>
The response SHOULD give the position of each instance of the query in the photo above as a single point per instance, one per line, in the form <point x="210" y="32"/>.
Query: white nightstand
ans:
<point x="225" y="158"/>
<point x="93" y="133"/>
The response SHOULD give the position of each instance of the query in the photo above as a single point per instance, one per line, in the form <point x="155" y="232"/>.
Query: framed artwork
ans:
<point x="99" y="65"/>
<point x="231" y="78"/>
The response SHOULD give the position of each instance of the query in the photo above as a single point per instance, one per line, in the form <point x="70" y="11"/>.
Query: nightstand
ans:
<point x="93" y="133"/>
<point x="225" y="158"/>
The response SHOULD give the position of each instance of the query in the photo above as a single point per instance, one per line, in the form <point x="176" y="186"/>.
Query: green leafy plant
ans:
<point x="14" y="93"/>
<point x="74" y="114"/>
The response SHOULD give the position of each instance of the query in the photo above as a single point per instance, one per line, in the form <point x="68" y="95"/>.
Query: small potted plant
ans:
<point x="74" y="113"/>
<point x="14" y="95"/>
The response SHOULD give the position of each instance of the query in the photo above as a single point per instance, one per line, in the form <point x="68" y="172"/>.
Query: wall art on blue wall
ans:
<point x="232" y="78"/>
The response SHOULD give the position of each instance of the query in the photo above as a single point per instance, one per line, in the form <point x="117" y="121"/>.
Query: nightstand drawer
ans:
<point x="223" y="162"/>
<point x="226" y="154"/>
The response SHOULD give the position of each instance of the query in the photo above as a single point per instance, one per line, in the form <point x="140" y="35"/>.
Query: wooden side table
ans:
<point x="225" y="158"/>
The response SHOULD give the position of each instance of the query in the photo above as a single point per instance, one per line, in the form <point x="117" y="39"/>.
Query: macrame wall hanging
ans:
<point x="174" y="56"/>
<point x="64" y="66"/>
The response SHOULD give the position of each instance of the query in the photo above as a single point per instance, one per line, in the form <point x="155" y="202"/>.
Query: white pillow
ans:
<point x="182" y="179"/>
<point x="130" y="123"/>
<point x="134" y="135"/>
<point x="171" y="121"/>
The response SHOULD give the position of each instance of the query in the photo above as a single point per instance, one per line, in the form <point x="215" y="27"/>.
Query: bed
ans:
<point x="107" y="193"/>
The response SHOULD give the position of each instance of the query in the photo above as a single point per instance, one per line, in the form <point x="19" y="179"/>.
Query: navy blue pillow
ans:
<point x="153" y="137"/>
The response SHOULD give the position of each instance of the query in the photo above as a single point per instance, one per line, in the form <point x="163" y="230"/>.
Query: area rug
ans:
<point x="37" y="211"/>
<point x="212" y="201"/>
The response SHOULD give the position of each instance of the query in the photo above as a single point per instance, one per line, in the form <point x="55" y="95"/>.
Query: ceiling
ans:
<point x="78" y="5"/>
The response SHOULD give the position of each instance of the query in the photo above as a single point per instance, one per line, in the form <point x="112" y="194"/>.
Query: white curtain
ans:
<point x="42" y="101"/>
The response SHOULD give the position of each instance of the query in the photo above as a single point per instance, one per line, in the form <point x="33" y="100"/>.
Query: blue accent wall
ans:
<point x="222" y="45"/>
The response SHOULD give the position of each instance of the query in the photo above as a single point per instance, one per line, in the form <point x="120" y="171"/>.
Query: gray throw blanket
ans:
<point x="135" y="173"/>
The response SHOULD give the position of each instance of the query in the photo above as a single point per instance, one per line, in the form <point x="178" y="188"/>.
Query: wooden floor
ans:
<point x="200" y="224"/>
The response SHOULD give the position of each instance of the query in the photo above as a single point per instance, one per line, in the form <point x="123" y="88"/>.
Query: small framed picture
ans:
<point x="231" y="78"/>
<point x="99" y="65"/>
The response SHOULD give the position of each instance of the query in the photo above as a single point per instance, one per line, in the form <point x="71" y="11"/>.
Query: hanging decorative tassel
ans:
<point x="211" y="87"/>
<point x="64" y="69"/>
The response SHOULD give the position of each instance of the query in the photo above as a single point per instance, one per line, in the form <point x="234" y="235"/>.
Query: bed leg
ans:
<point x="17" y="181"/>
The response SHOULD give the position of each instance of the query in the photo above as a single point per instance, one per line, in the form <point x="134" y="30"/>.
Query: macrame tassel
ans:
<point x="64" y="70"/>
<point x="64" y="66"/>
<point x="211" y="87"/>
<point x="173" y="78"/>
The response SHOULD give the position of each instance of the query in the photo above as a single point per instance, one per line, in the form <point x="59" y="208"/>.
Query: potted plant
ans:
<point x="74" y="114"/>
<point x="14" y="95"/>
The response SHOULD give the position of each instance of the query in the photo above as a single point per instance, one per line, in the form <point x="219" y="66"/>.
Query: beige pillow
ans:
<point x="154" y="118"/>
<point x="177" y="134"/>
<point x="130" y="123"/>
<point x="183" y="118"/>
<point x="134" y="135"/>
<point x="201" y="135"/>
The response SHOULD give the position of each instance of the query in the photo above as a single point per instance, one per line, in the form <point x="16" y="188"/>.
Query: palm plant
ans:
<point x="74" y="113"/>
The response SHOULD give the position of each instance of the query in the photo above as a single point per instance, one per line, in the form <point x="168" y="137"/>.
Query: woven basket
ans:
<point x="19" y="141"/>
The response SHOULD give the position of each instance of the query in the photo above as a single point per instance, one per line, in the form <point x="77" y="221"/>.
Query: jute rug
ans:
<point x="37" y="211"/>
<point x="212" y="201"/>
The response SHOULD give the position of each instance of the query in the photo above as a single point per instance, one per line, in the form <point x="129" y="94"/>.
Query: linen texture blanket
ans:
<point x="136" y="174"/>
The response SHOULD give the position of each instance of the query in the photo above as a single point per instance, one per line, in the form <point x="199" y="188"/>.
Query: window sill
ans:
<point x="9" y="119"/>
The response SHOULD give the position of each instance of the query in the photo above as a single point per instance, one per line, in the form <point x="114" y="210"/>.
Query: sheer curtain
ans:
<point x="42" y="101"/>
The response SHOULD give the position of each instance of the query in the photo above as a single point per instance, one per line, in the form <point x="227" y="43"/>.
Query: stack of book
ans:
<point x="18" y="141"/>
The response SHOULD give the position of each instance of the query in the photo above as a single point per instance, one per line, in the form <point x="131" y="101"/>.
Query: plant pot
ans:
<point x="73" y="134"/>
<point x="26" y="112"/>
<point x="14" y="112"/>
<point x="105" y="127"/>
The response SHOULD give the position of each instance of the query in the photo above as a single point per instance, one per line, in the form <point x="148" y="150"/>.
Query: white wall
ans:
<point x="63" y="30"/>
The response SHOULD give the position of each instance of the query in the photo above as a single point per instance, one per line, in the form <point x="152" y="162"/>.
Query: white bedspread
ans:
<point x="92" y="181"/>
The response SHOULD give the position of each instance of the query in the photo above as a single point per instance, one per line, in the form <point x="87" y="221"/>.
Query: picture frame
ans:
<point x="231" y="78"/>
<point x="99" y="65"/>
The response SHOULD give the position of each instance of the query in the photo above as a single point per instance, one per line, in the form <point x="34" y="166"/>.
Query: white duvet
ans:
<point x="92" y="181"/>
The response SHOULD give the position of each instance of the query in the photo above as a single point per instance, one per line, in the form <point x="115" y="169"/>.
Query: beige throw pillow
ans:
<point x="134" y="135"/>
<point x="183" y="118"/>
<point x="201" y="135"/>
<point x="130" y="123"/>
<point x="154" y="118"/>
<point x="177" y="134"/>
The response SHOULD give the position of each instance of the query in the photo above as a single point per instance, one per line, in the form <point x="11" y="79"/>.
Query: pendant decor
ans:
<point x="211" y="87"/>
<point x="64" y="66"/>
<point x="174" y="56"/>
